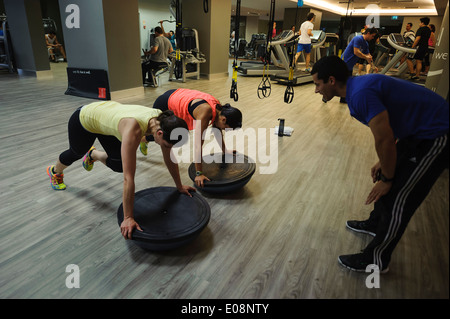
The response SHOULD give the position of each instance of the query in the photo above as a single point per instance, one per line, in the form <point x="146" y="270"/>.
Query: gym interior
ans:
<point x="276" y="237"/>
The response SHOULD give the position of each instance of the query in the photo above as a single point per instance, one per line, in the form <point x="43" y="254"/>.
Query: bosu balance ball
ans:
<point x="168" y="218"/>
<point x="227" y="173"/>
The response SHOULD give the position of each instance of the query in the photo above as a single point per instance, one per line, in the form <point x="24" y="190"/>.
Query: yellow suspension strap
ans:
<point x="289" y="93"/>
<point x="233" y="91"/>
<point x="178" y="69"/>
<point x="264" y="87"/>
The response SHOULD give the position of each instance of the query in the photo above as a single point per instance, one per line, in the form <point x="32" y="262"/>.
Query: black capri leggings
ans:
<point x="81" y="140"/>
<point x="162" y="102"/>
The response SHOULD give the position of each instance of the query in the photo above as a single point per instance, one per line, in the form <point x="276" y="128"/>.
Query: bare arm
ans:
<point x="386" y="151"/>
<point x="202" y="114"/>
<point x="153" y="50"/>
<point x="166" y="34"/>
<point x="416" y="41"/>
<point x="361" y="55"/>
<point x="174" y="171"/>
<point x="131" y="136"/>
<point x="433" y="39"/>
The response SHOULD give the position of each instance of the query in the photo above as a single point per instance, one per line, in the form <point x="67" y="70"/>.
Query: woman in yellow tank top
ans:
<point x="119" y="129"/>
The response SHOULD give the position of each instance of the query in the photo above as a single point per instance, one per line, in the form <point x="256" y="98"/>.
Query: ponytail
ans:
<point x="233" y="115"/>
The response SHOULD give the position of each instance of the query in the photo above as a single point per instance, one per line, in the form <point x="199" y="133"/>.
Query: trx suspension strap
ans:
<point x="264" y="88"/>
<point x="233" y="91"/>
<point x="289" y="93"/>
<point x="178" y="70"/>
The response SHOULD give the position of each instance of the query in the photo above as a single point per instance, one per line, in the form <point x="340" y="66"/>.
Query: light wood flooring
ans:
<point x="277" y="238"/>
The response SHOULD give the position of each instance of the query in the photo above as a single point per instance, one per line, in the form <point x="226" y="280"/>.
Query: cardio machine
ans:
<point x="300" y="76"/>
<point x="279" y="57"/>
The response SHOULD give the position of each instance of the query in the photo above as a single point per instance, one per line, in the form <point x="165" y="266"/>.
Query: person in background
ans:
<point x="356" y="49"/>
<point x="159" y="52"/>
<point x="52" y="44"/>
<point x="431" y="45"/>
<point x="409" y="35"/>
<point x="421" y="43"/>
<point x="363" y="62"/>
<point x="359" y="48"/>
<point x="170" y="35"/>
<point x="304" y="42"/>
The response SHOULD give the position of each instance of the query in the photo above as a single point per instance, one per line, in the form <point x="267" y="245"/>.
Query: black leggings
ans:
<point x="81" y="140"/>
<point x="162" y="102"/>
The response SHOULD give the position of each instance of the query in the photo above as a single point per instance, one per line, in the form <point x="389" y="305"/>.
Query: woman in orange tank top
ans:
<point x="199" y="110"/>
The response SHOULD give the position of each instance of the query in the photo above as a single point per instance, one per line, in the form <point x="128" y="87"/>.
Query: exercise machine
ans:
<point x="186" y="60"/>
<point x="6" y="52"/>
<point x="317" y="40"/>
<point x="398" y="43"/>
<point x="278" y="54"/>
<point x="331" y="43"/>
<point x="386" y="50"/>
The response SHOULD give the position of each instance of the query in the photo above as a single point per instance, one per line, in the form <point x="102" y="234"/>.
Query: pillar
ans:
<point x="437" y="78"/>
<point x="28" y="38"/>
<point x="103" y="47"/>
<point x="213" y="31"/>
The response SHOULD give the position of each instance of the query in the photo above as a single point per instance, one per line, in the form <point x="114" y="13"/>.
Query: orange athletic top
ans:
<point x="179" y="103"/>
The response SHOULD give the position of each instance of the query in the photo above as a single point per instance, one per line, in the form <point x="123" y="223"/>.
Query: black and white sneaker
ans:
<point x="361" y="227"/>
<point x="359" y="262"/>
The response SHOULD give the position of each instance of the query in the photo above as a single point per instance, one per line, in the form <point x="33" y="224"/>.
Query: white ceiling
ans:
<point x="262" y="7"/>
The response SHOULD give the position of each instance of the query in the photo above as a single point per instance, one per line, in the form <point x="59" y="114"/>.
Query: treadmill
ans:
<point x="317" y="40"/>
<point x="279" y="58"/>
<point x="397" y="42"/>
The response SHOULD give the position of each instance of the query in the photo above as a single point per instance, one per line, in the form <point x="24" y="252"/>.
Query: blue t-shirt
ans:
<point x="414" y="111"/>
<point x="349" y="56"/>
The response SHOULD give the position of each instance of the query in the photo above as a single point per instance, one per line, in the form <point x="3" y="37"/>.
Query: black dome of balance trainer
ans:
<point x="168" y="218"/>
<point x="227" y="173"/>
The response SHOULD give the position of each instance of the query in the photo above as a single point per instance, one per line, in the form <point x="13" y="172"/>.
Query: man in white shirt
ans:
<point x="304" y="42"/>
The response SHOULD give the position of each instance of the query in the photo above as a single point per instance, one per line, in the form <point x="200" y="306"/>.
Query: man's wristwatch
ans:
<point x="198" y="173"/>
<point x="384" y="178"/>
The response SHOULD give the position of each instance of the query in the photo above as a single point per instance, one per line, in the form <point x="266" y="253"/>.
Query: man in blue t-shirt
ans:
<point x="410" y="127"/>
<point x="358" y="48"/>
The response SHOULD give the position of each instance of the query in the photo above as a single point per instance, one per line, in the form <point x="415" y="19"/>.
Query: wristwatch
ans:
<point x="383" y="178"/>
<point x="198" y="173"/>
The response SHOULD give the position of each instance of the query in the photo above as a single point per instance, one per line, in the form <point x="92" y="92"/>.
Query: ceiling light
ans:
<point x="329" y="7"/>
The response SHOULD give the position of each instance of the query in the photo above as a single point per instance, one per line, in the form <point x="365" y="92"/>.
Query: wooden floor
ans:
<point x="279" y="237"/>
